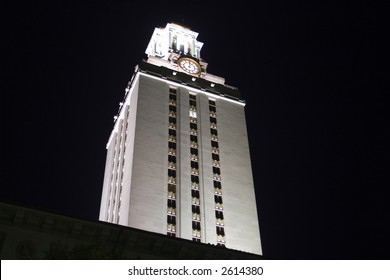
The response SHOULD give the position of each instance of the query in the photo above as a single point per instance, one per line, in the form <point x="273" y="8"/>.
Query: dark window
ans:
<point x="171" y="173"/>
<point x="195" y="193"/>
<point x="216" y="170"/>
<point x="172" y="158"/>
<point x="193" y="103"/>
<point x="212" y="108"/>
<point x="194" y="164"/>
<point x="172" y="90"/>
<point x="194" y="138"/>
<point x="213" y="120"/>
<point x="214" y="144"/>
<point x="213" y="131"/>
<point x="215" y="156"/>
<point x="218" y="199"/>
<point x="193" y="97"/>
<point x="194" y="151"/>
<point x="172" y="120"/>
<point x="220" y="231"/>
<point x="196" y="209"/>
<point x="172" y="203"/>
<point x="172" y="132"/>
<point x="193" y="126"/>
<point x="171" y="188"/>
<point x="171" y="234"/>
<point x="194" y="179"/>
<point x="217" y="184"/>
<point x="219" y="214"/>
<point x="172" y="108"/>
<point x="212" y="102"/>
<point x="171" y="145"/>
<point x="196" y="239"/>
<point x="196" y="225"/>
<point x="171" y="220"/>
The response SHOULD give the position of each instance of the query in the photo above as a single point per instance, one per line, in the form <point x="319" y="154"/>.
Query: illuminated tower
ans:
<point x="178" y="159"/>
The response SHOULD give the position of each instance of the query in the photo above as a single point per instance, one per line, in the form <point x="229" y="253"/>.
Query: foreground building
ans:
<point x="28" y="233"/>
<point x="178" y="159"/>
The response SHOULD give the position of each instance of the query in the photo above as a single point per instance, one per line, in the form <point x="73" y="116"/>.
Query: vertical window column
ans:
<point x="217" y="184"/>
<point x="117" y="173"/>
<point x="171" y="198"/>
<point x="195" y="195"/>
<point x="124" y="132"/>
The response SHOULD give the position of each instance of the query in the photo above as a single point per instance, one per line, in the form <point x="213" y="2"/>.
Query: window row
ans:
<point x="195" y="195"/>
<point x="171" y="186"/>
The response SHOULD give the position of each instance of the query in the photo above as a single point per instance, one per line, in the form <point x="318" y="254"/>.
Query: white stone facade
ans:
<point x="141" y="192"/>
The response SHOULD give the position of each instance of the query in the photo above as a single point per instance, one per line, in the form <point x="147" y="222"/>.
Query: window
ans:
<point x="193" y="138"/>
<point x="213" y="131"/>
<point x="220" y="231"/>
<point x="218" y="199"/>
<point x="195" y="179"/>
<point x="172" y="108"/>
<point x="171" y="203"/>
<point x="196" y="209"/>
<point x="192" y="114"/>
<point x="219" y="214"/>
<point x="194" y="164"/>
<point x="193" y="126"/>
<point x="171" y="219"/>
<point x="172" y="145"/>
<point x="171" y="191"/>
<point x="196" y="225"/>
<point x="173" y="90"/>
<point x="171" y="172"/>
<point x="195" y="193"/>
<point x="214" y="144"/>
<point x="171" y="158"/>
<point x="194" y="151"/>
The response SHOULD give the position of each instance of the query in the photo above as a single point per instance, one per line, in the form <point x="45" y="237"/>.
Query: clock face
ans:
<point x="189" y="65"/>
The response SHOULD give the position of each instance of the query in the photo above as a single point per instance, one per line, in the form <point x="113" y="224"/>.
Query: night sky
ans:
<point x="313" y="76"/>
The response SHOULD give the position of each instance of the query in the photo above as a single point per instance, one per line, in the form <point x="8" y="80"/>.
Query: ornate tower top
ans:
<point x="177" y="48"/>
<point x="174" y="38"/>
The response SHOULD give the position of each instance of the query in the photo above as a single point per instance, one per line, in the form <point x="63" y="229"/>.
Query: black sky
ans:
<point x="313" y="75"/>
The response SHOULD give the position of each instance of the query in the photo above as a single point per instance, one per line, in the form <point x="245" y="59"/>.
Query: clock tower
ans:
<point x="176" y="47"/>
<point x="178" y="159"/>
